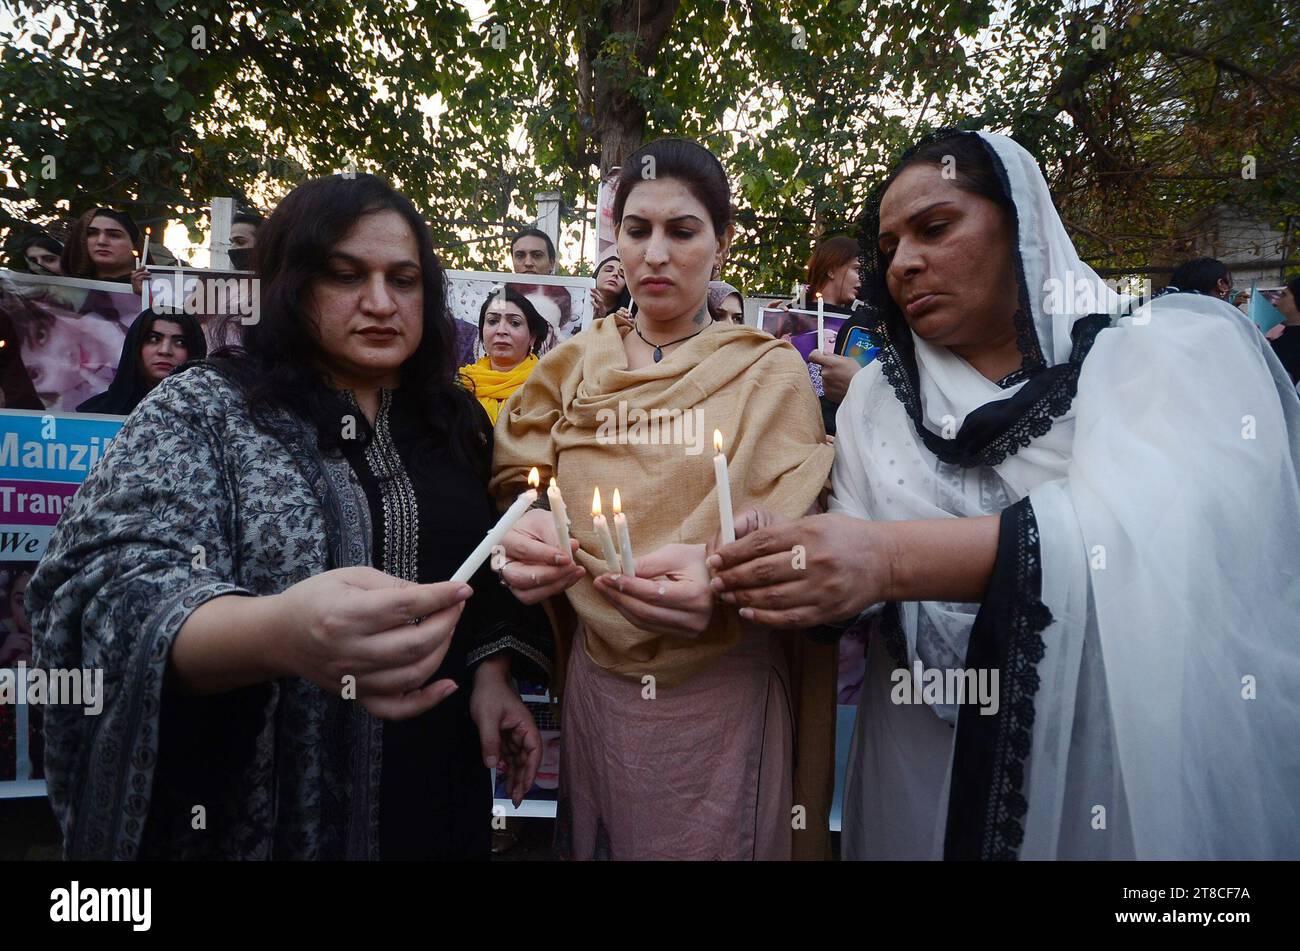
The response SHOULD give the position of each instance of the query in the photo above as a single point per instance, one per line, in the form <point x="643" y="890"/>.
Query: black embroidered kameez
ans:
<point x="428" y="512"/>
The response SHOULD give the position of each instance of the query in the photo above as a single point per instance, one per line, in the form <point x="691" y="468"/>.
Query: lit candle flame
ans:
<point x="595" y="503"/>
<point x="618" y="503"/>
<point x="148" y="231"/>
<point x="553" y="482"/>
<point x="819" y="295"/>
<point x="717" y="440"/>
<point x="534" y="480"/>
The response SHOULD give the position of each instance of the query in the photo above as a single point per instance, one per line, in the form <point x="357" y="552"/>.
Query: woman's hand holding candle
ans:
<point x="670" y="593"/>
<point x="535" y="570"/>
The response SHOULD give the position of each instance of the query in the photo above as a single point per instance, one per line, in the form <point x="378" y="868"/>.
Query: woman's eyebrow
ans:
<point x="638" y="218"/>
<point x="357" y="262"/>
<point x="917" y="214"/>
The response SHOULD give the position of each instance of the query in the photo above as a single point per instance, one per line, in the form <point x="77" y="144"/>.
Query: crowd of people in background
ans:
<point x="104" y="244"/>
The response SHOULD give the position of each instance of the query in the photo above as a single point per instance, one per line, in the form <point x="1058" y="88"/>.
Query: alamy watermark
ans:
<point x="77" y="686"/>
<point x="952" y="686"/>
<point x="651" y="427"/>
<point x="209" y="296"/>
<point x="1084" y="296"/>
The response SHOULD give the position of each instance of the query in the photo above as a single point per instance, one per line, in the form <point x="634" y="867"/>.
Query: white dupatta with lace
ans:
<point x="1155" y="714"/>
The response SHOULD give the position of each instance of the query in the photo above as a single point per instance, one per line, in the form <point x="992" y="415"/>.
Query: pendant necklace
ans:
<point x="659" y="348"/>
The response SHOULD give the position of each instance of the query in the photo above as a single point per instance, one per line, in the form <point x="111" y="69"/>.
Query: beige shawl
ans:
<point x="588" y="420"/>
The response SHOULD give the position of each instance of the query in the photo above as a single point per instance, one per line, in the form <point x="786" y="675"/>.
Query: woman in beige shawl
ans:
<point x="686" y="733"/>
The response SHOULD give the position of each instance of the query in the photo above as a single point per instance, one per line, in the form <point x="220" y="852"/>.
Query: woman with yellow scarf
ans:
<point x="686" y="732"/>
<point x="510" y="330"/>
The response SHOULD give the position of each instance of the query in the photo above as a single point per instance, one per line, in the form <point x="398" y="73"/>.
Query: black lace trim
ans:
<point x="890" y="632"/>
<point x="1003" y="427"/>
<point x="986" y="802"/>
<point x="1014" y="377"/>
<point x="999" y="429"/>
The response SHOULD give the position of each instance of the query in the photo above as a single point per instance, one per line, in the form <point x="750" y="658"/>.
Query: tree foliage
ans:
<point x="1143" y="114"/>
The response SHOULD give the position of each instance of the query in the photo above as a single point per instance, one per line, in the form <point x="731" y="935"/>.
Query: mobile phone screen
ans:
<point x="860" y="346"/>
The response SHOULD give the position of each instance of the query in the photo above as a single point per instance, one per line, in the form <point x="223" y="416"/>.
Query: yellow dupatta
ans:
<point x="493" y="387"/>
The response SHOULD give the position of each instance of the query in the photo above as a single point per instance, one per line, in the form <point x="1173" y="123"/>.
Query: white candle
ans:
<point x="144" y="252"/>
<point x="561" y="517"/>
<point x="602" y="532"/>
<point x="821" y="322"/>
<point x="724" y="491"/>
<point x="499" y="530"/>
<point x="624" y="539"/>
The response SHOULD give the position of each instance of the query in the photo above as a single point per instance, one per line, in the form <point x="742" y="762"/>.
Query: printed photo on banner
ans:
<point x="564" y="303"/>
<point x="62" y="338"/>
<point x="605" y="239"/>
<point x="800" y="328"/>
<point x="223" y="302"/>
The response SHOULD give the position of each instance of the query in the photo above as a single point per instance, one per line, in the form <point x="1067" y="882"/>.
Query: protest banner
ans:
<point x="563" y="302"/>
<point x="69" y="334"/>
<point x="44" y="457"/>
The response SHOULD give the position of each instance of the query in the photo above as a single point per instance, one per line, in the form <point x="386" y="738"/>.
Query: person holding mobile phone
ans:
<point x="833" y="273"/>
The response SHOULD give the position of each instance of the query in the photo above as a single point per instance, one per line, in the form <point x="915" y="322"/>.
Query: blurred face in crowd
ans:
<point x="505" y="335"/>
<point x="949" y="261"/>
<point x="1287" y="306"/>
<point x="109" y="247"/>
<point x="242" y="235"/>
<point x="1223" y="288"/>
<point x="529" y="256"/>
<point x="368" y="306"/>
<point x="668" y="248"/>
<point x="67" y="352"/>
<point x="842" y="285"/>
<point x="18" y="602"/>
<point x="732" y="309"/>
<point x="42" y="260"/>
<point x="162" y="351"/>
<point x="610" y="280"/>
<point x="548" y="770"/>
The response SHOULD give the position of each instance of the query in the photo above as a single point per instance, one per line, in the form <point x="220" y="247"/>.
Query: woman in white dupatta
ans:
<point x="1093" y="498"/>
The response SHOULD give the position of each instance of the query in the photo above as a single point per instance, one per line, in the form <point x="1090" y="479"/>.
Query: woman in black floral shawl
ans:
<point x="257" y="567"/>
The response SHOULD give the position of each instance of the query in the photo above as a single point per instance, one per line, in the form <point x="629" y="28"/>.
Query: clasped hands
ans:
<point x="780" y="572"/>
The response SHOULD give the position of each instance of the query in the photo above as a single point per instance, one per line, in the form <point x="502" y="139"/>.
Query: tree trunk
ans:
<point x="618" y="117"/>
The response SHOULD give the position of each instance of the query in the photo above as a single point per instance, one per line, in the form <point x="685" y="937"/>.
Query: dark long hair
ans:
<point x="277" y="366"/>
<point x="538" y="328"/>
<point x="45" y="242"/>
<point x="128" y="387"/>
<point x="76" y="262"/>
<point x="1201" y="275"/>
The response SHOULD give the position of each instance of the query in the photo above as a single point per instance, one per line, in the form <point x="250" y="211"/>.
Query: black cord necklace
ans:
<point x="659" y="348"/>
